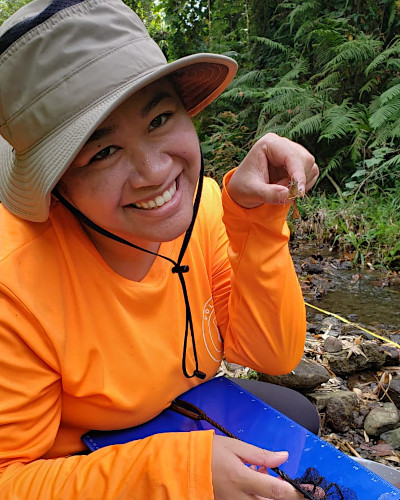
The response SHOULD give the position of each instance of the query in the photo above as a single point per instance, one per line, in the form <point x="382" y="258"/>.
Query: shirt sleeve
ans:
<point x="160" y="467"/>
<point x="266" y="313"/>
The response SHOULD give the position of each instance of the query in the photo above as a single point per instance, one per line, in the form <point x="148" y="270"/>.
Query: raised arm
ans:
<point x="266" y="309"/>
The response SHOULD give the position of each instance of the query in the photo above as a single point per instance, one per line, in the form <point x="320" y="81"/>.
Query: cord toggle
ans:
<point x="177" y="269"/>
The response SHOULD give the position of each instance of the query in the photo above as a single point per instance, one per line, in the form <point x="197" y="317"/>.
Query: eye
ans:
<point x="159" y="120"/>
<point x="104" y="153"/>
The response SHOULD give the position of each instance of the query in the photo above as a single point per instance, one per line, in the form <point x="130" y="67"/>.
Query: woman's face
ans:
<point x="137" y="173"/>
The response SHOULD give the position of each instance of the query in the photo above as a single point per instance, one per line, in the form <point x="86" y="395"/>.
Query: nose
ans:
<point x="148" y="167"/>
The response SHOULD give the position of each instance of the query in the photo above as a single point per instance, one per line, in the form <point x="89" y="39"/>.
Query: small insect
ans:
<point x="294" y="193"/>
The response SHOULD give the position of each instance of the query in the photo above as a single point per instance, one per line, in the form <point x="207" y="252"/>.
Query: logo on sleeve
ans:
<point x="211" y="335"/>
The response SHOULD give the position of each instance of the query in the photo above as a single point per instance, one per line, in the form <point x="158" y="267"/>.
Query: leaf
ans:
<point x="352" y="348"/>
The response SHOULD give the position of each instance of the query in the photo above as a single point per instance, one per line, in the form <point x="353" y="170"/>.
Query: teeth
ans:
<point x="159" y="201"/>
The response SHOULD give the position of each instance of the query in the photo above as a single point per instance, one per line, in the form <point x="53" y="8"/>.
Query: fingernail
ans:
<point x="282" y="453"/>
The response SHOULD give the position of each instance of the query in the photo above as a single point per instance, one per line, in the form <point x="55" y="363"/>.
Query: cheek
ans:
<point x="190" y="151"/>
<point x="84" y="189"/>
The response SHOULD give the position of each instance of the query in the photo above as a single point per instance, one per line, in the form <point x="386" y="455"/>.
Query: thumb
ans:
<point x="253" y="455"/>
<point x="266" y="458"/>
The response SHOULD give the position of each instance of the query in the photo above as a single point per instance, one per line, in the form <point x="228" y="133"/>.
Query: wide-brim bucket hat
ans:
<point x="65" y="65"/>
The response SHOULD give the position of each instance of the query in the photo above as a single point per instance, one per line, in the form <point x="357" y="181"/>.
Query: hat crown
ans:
<point x="76" y="62"/>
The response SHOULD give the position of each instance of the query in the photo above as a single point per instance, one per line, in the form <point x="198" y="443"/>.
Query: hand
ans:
<point x="233" y="480"/>
<point x="263" y="176"/>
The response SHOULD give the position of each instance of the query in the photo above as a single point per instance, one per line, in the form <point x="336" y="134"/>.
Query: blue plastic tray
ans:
<point x="255" y="422"/>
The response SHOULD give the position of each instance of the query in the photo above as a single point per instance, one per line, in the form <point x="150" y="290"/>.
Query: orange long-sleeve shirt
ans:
<point x="83" y="348"/>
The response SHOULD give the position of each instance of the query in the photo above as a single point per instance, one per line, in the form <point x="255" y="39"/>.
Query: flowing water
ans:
<point x="354" y="294"/>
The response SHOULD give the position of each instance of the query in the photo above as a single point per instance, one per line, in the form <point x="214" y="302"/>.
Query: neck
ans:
<point x="131" y="263"/>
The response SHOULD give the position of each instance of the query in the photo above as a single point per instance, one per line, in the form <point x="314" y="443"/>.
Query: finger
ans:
<point x="312" y="177"/>
<point x="282" y="152"/>
<point x="263" y="484"/>
<point x="274" y="194"/>
<point x="267" y="486"/>
<point x="254" y="455"/>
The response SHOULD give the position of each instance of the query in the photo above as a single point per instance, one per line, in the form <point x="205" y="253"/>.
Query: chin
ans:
<point x="162" y="238"/>
<point x="172" y="233"/>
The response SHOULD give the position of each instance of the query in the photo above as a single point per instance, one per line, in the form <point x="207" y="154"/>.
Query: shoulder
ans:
<point x="211" y="204"/>
<point x="18" y="234"/>
<point x="209" y="225"/>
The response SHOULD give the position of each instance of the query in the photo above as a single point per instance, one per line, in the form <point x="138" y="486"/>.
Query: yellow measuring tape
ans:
<point x="353" y="324"/>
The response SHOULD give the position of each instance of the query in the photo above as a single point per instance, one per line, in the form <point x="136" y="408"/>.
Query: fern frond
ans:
<point x="385" y="114"/>
<point x="288" y="102"/>
<point x="271" y="44"/>
<point x="334" y="163"/>
<point x="304" y="30"/>
<point x="342" y="120"/>
<point x="383" y="57"/>
<point x="301" y="67"/>
<point x="324" y="40"/>
<point x="286" y="5"/>
<point x="286" y="88"/>
<point x="359" y="50"/>
<point x="331" y="81"/>
<point x="277" y="124"/>
<point x="393" y="64"/>
<point x="369" y="86"/>
<point x="241" y="94"/>
<point x="393" y="6"/>
<point x="395" y="131"/>
<point x="382" y="137"/>
<point x="390" y="93"/>
<point x="392" y="164"/>
<point x="302" y="11"/>
<point x="357" y="148"/>
<point x="250" y="79"/>
<point x="307" y="126"/>
<point x="324" y="36"/>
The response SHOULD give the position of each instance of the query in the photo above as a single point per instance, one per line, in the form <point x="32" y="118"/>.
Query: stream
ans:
<point x="365" y="296"/>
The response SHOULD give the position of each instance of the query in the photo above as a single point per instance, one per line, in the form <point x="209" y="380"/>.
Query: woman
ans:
<point x="99" y="167"/>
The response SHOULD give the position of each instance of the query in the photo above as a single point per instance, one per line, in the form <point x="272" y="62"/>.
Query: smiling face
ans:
<point x="137" y="173"/>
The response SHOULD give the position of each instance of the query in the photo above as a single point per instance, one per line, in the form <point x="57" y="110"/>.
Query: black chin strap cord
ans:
<point x="177" y="268"/>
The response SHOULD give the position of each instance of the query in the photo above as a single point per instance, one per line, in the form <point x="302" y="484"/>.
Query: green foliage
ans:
<point x="366" y="227"/>
<point x="324" y="74"/>
<point x="226" y="147"/>
<point x="328" y="77"/>
<point x="8" y="7"/>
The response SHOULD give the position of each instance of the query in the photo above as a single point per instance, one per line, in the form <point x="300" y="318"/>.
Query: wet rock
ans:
<point x="346" y="362"/>
<point x="305" y="377"/>
<point x="394" y="391"/>
<point x="392" y="354"/>
<point x="332" y="344"/>
<point x="358" y="420"/>
<point x="346" y="264"/>
<point x="359" y="333"/>
<point x="312" y="268"/>
<point x="392" y="438"/>
<point x="352" y="317"/>
<point x="339" y="411"/>
<point x="331" y="326"/>
<point x="312" y="328"/>
<point x="321" y="398"/>
<point x="382" y="418"/>
<point x="395" y="338"/>
<point x="342" y="264"/>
